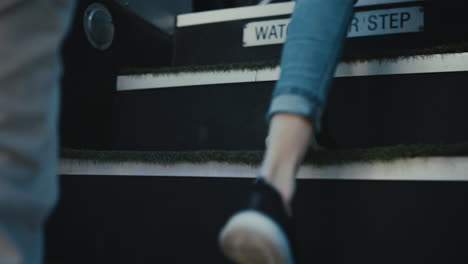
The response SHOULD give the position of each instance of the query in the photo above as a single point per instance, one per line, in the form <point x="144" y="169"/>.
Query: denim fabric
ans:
<point x="312" y="50"/>
<point x="30" y="35"/>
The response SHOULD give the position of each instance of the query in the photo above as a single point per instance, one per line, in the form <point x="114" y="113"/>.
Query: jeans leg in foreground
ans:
<point x="315" y="39"/>
<point x="31" y="32"/>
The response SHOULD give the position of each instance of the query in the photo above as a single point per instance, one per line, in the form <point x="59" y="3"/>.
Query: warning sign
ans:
<point x="363" y="24"/>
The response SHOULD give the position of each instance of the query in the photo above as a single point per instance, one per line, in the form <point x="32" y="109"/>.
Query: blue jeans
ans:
<point x="31" y="32"/>
<point x="313" y="47"/>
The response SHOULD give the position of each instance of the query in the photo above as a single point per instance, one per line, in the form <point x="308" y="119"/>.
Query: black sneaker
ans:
<point x="259" y="234"/>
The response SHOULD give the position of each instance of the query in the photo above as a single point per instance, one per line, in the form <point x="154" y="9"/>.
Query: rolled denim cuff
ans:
<point x="297" y="105"/>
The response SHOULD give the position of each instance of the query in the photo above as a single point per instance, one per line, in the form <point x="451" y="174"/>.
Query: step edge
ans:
<point x="412" y="169"/>
<point x="437" y="63"/>
<point x="260" y="11"/>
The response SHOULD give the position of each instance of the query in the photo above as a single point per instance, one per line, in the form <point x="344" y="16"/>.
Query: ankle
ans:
<point x="283" y="181"/>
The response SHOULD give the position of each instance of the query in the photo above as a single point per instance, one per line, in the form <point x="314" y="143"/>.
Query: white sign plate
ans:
<point x="363" y="24"/>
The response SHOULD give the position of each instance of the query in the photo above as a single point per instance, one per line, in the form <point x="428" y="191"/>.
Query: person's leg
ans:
<point x="30" y="35"/>
<point x="310" y="56"/>
<point x="288" y="142"/>
<point x="312" y="50"/>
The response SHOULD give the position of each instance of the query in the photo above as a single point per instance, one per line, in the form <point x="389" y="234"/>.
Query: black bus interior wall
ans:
<point x="89" y="80"/>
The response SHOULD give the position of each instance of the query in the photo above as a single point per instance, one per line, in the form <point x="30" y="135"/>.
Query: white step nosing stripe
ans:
<point x="414" y="169"/>
<point x="171" y="80"/>
<point x="252" y="12"/>
<point x="457" y="62"/>
<point x="362" y="3"/>
<point x="438" y="63"/>
<point x="232" y="14"/>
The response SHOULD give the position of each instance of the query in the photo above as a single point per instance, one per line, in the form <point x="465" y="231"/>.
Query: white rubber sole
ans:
<point x="251" y="237"/>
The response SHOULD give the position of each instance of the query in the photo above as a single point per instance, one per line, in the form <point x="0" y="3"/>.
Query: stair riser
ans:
<point x="105" y="219"/>
<point x="224" y="42"/>
<point x="362" y="112"/>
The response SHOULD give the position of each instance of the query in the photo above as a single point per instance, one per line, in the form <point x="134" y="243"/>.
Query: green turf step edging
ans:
<point x="254" y="158"/>
<point x="389" y="55"/>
